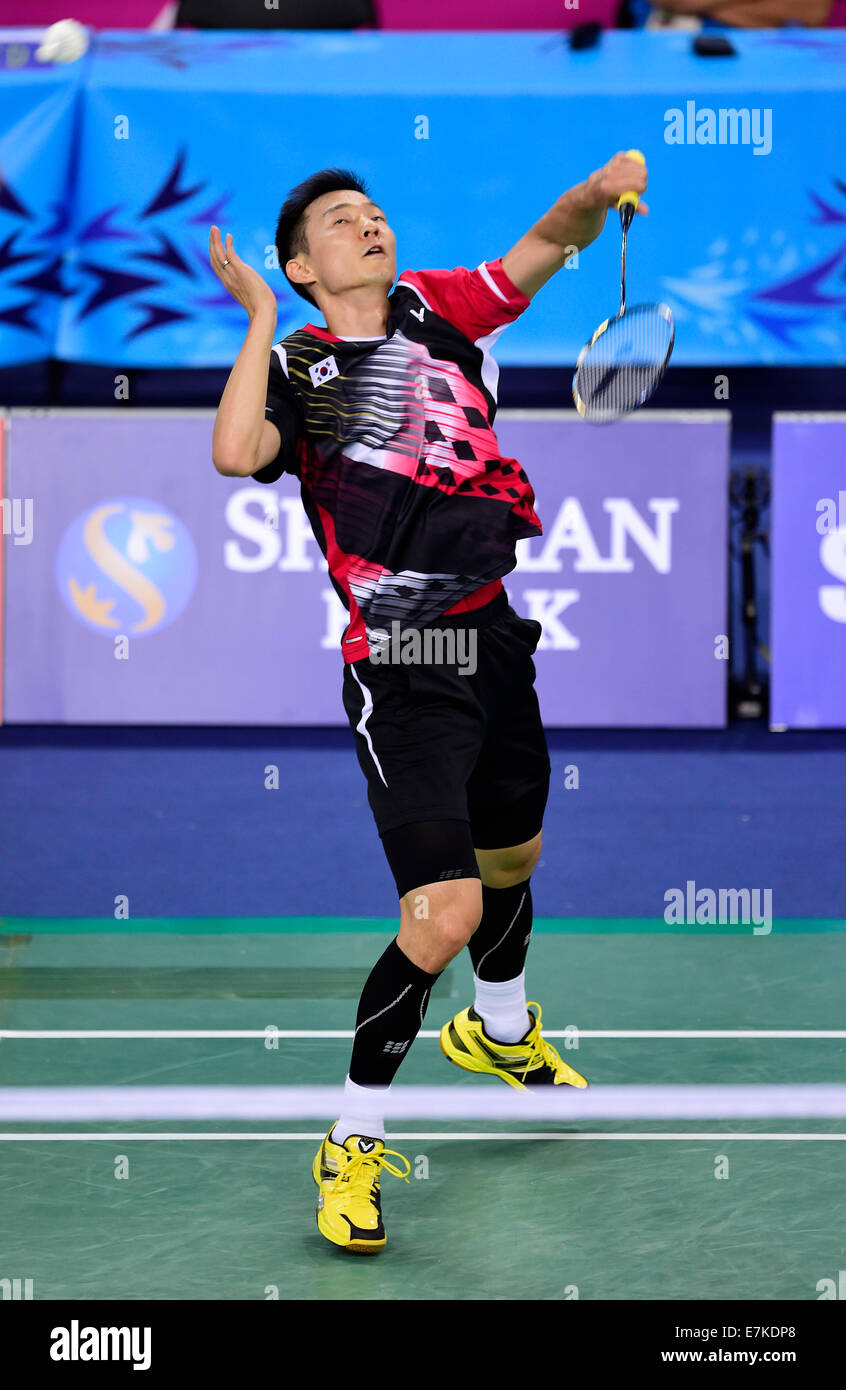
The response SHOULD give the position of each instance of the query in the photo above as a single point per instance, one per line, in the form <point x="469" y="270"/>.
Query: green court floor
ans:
<point x="612" y="1210"/>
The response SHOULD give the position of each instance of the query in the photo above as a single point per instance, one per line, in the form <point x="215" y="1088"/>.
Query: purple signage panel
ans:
<point x="144" y="588"/>
<point x="808" y="682"/>
<point x="155" y="591"/>
<point x="630" y="577"/>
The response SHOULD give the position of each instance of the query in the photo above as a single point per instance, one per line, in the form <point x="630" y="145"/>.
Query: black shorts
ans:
<point x="436" y="744"/>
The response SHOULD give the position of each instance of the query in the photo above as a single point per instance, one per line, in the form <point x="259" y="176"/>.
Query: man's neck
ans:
<point x="357" y="315"/>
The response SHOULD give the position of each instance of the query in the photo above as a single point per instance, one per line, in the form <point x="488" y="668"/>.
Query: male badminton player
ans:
<point x="386" y="418"/>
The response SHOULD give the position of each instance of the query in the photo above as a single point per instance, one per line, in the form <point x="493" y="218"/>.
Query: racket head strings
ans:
<point x="622" y="365"/>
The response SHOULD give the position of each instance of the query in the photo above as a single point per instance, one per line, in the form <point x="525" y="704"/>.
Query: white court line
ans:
<point x="318" y="1136"/>
<point x="77" y="1104"/>
<point x="98" y="1033"/>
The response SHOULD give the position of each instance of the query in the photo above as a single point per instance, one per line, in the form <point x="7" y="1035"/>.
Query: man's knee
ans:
<point x="438" y="920"/>
<point x="502" y="868"/>
<point x="454" y="928"/>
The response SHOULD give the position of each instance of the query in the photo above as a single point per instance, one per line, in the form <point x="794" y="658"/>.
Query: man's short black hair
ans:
<point x="291" y="238"/>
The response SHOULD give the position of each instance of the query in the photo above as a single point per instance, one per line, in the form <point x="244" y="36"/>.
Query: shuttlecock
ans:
<point x="63" y="42"/>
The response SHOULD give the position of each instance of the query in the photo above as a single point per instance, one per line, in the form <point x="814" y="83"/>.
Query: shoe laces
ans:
<point x="356" y="1169"/>
<point x="540" y="1048"/>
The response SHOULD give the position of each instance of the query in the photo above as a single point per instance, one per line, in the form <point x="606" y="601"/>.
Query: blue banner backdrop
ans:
<point x="144" y="588"/>
<point x="40" y="110"/>
<point x="809" y="572"/>
<point x="465" y="139"/>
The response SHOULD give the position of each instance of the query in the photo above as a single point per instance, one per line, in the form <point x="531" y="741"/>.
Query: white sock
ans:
<point x="362" y="1113"/>
<point x="502" y="1008"/>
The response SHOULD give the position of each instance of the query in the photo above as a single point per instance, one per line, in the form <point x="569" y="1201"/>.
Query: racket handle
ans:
<point x="631" y="199"/>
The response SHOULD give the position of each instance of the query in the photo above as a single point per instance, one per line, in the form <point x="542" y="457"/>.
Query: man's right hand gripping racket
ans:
<point x="622" y="365"/>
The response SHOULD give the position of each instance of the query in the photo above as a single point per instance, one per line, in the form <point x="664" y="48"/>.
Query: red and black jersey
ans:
<point x="392" y="440"/>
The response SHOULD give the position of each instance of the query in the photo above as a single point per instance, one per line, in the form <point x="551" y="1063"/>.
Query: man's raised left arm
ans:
<point x="574" y="221"/>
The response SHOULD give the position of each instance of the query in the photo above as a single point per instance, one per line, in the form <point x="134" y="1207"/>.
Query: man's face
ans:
<point x="350" y="245"/>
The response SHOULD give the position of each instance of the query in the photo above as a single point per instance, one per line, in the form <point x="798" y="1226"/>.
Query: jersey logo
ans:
<point x="323" y="371"/>
<point x="418" y="314"/>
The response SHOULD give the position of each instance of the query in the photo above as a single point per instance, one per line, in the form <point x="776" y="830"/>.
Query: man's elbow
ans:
<point x="233" y="469"/>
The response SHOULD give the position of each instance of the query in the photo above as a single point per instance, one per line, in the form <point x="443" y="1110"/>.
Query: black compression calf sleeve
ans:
<point x="500" y="943"/>
<point x="390" y="1015"/>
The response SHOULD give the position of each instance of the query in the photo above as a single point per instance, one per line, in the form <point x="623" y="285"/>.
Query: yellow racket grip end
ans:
<point x="633" y="198"/>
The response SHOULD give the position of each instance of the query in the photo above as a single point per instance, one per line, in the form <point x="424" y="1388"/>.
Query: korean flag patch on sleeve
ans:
<point x="323" y="371"/>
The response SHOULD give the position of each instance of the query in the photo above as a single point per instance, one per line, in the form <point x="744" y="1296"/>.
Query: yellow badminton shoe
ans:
<point x="531" y="1062"/>
<point x="349" y="1208"/>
